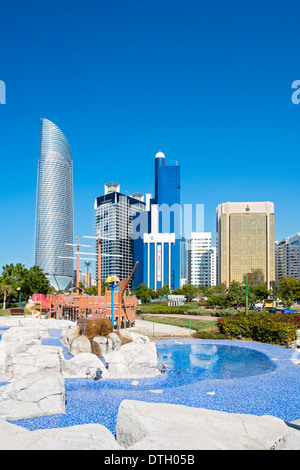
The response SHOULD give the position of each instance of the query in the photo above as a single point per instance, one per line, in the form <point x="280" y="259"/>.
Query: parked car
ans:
<point x="258" y="306"/>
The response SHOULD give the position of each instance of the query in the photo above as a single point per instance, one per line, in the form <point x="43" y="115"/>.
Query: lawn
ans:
<point x="194" y="324"/>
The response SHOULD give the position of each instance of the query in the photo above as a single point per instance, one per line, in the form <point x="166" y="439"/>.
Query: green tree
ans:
<point x="236" y="294"/>
<point x="189" y="291"/>
<point x="30" y="281"/>
<point x="260" y="292"/>
<point x="6" y="290"/>
<point x="288" y="288"/>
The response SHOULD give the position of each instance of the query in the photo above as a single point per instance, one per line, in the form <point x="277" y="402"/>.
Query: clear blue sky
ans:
<point x="208" y="83"/>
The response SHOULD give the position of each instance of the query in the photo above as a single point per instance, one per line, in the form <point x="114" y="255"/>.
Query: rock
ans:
<point x="101" y="345"/>
<point x="37" y="394"/>
<point x="78" y="365"/>
<point x="81" y="437"/>
<point x="116" y="341"/>
<point x="16" y="340"/>
<point x="132" y="336"/>
<point x="154" y="426"/>
<point x="68" y="335"/>
<point x="133" y="361"/>
<point x="289" y="442"/>
<point x="92" y="327"/>
<point x="35" y="359"/>
<point x="80" y="344"/>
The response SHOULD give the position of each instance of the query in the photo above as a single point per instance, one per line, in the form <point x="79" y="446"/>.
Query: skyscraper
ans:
<point x="54" y="206"/>
<point x="114" y="214"/>
<point x="161" y="258"/>
<point x="246" y="241"/>
<point x="201" y="260"/>
<point x="288" y="257"/>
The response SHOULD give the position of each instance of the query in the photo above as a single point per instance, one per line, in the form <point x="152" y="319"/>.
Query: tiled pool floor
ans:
<point x="274" y="393"/>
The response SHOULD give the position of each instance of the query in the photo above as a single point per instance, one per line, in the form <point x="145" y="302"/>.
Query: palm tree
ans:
<point x="88" y="264"/>
<point x="6" y="289"/>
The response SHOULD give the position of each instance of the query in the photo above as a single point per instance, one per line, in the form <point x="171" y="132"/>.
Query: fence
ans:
<point x="161" y="329"/>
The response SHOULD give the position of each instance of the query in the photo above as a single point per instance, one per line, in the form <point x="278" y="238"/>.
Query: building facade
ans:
<point x="159" y="249"/>
<point x="288" y="257"/>
<point x="54" y="207"/>
<point x="245" y="241"/>
<point x="201" y="260"/>
<point x="114" y="214"/>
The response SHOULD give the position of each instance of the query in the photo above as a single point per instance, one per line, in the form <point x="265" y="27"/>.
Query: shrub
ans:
<point x="263" y="327"/>
<point x="209" y="335"/>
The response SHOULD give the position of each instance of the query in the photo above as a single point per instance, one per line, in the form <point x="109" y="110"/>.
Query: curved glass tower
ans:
<point x="54" y="207"/>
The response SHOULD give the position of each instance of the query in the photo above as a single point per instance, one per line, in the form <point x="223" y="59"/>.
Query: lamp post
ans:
<point x="246" y="285"/>
<point x="19" y="289"/>
<point x="113" y="281"/>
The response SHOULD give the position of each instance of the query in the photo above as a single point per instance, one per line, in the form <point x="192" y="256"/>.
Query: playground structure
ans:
<point x="38" y="301"/>
<point x="117" y="306"/>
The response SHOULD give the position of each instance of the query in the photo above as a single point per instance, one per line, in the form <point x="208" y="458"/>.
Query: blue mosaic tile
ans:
<point x="255" y="379"/>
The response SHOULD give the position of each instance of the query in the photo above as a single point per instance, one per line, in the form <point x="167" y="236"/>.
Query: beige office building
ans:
<point x="245" y="241"/>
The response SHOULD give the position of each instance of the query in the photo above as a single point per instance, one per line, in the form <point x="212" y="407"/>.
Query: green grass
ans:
<point x="194" y="324"/>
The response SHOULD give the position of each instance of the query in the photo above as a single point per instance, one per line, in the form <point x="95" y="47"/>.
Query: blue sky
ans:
<point x="208" y="83"/>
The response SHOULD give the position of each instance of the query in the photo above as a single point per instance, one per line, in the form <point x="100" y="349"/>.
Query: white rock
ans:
<point x="116" y="341"/>
<point x="68" y="335"/>
<point x="35" y="359"/>
<point x="289" y="442"/>
<point x="81" y="437"/>
<point x="133" y="360"/>
<point x="133" y="336"/>
<point x="15" y="341"/>
<point x="80" y="344"/>
<point x="78" y="365"/>
<point x="156" y="425"/>
<point x="38" y="394"/>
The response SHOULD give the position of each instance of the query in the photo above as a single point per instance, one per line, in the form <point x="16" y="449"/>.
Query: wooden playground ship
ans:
<point x="116" y="305"/>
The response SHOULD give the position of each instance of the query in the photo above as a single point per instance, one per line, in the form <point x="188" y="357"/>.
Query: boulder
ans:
<point x="68" y="335"/>
<point x="132" y="336"/>
<point x="35" y="359"/>
<point x="37" y="394"/>
<point x="98" y="326"/>
<point x="81" y="437"/>
<point x="133" y="360"/>
<point x="155" y="426"/>
<point x="80" y="344"/>
<point x="16" y="340"/>
<point x="289" y="442"/>
<point x="78" y="366"/>
<point x="101" y="345"/>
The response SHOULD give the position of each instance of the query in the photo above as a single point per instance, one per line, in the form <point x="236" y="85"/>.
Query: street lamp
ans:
<point x="246" y="285"/>
<point x="113" y="281"/>
<point x="19" y="289"/>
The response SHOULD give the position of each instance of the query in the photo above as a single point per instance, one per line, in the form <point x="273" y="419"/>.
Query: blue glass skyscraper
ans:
<point x="161" y="260"/>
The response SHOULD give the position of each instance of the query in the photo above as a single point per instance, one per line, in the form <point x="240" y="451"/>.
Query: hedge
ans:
<point x="275" y="328"/>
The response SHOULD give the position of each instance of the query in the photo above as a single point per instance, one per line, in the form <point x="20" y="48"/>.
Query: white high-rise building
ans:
<point x="201" y="260"/>
<point x="288" y="257"/>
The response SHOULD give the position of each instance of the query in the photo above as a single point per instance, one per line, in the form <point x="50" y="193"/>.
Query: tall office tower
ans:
<point x="288" y="257"/>
<point x="162" y="241"/>
<point x="54" y="206"/>
<point x="114" y="214"/>
<point x="213" y="266"/>
<point x="246" y="241"/>
<point x="201" y="260"/>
